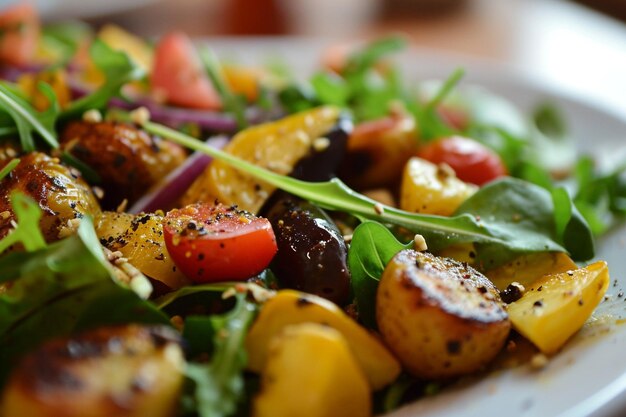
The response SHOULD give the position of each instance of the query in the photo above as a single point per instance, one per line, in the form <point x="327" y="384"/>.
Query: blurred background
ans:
<point x="567" y="43"/>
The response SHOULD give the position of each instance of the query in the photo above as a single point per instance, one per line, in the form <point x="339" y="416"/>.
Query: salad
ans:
<point x="186" y="236"/>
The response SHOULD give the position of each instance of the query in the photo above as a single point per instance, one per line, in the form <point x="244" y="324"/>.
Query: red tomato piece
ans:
<point x="178" y="75"/>
<point x="472" y="161"/>
<point x="211" y="243"/>
<point x="19" y="29"/>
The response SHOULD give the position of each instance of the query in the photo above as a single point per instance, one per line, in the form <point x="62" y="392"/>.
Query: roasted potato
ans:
<point x="311" y="372"/>
<point x="377" y="151"/>
<point x="139" y="237"/>
<point x="441" y="318"/>
<point x="127" y="159"/>
<point x="292" y="307"/>
<point x="60" y="192"/>
<point x="432" y="189"/>
<point x="114" y="371"/>
<point x="556" y="306"/>
<point x="277" y="146"/>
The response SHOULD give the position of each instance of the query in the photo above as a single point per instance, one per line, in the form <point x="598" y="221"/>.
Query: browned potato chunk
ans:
<point x="441" y="318"/>
<point x="128" y="371"/>
<point x="62" y="195"/>
<point x="128" y="160"/>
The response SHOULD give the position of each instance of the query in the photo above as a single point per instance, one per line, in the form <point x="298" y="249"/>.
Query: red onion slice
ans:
<point x="165" y="194"/>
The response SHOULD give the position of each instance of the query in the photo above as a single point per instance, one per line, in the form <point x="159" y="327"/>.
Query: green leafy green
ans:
<point x="219" y="385"/>
<point x="231" y="102"/>
<point x="8" y="168"/>
<point x="486" y="218"/>
<point x="27" y="230"/>
<point x="371" y="249"/>
<point x="524" y="214"/>
<point x="118" y="70"/>
<point x="65" y="38"/>
<point x="27" y="120"/>
<point x="65" y="287"/>
<point x="361" y="61"/>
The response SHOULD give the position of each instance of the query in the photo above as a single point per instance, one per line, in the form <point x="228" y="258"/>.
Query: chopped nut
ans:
<point x="347" y="238"/>
<point x="419" y="243"/>
<point x="122" y="207"/>
<point x="92" y="116"/>
<point x="321" y="144"/>
<point x="379" y="208"/>
<point x="5" y="214"/>
<point x="140" y="115"/>
<point x="538" y="361"/>
<point x="445" y="171"/>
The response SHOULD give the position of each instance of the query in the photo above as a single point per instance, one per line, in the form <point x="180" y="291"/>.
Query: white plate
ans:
<point x="588" y="378"/>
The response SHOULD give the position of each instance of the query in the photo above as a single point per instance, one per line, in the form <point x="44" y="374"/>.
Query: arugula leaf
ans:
<point x="118" y="69"/>
<point x="27" y="230"/>
<point x="430" y="124"/>
<point x="364" y="59"/>
<point x="62" y="288"/>
<point x="65" y="38"/>
<point x="8" y="168"/>
<point x="28" y="120"/>
<point x="371" y="249"/>
<point x="219" y="385"/>
<point x="232" y="103"/>
<point x="485" y="219"/>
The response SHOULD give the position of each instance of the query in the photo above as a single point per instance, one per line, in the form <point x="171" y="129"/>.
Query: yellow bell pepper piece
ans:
<point x="290" y="307"/>
<point x="556" y="306"/>
<point x="310" y="372"/>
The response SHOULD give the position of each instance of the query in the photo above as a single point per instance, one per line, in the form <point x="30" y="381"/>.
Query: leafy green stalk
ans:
<point x="9" y="167"/>
<point x="497" y="232"/>
<point x="231" y="102"/>
<point x="219" y="385"/>
<point x="118" y="69"/>
<point x="28" y="120"/>
<point x="364" y="59"/>
<point x="27" y="229"/>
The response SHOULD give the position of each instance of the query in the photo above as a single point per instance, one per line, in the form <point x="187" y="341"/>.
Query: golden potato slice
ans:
<point x="128" y="371"/>
<point x="140" y="239"/>
<point x="290" y="307"/>
<point x="556" y="306"/>
<point x="311" y="372"/>
<point x="440" y="317"/>
<point x="277" y="146"/>
<point x="432" y="189"/>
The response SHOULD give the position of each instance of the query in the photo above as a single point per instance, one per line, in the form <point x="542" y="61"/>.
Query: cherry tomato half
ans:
<point x="210" y="243"/>
<point x="472" y="161"/>
<point x="178" y="74"/>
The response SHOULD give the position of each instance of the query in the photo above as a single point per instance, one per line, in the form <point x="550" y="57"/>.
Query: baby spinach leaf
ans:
<point x="219" y="385"/>
<point x="523" y="214"/>
<point x="371" y="249"/>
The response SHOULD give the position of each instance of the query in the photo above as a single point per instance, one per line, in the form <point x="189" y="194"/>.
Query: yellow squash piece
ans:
<point x="556" y="306"/>
<point x="311" y="372"/>
<point x="528" y="268"/>
<point x="29" y="84"/>
<point x="277" y="146"/>
<point x="293" y="307"/>
<point x="431" y="189"/>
